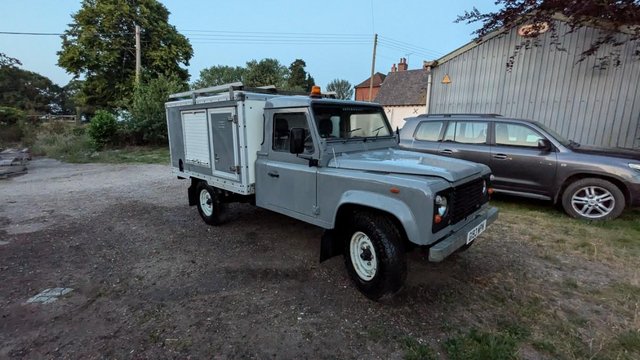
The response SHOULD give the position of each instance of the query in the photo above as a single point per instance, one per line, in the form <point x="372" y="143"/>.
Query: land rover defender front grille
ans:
<point x="463" y="201"/>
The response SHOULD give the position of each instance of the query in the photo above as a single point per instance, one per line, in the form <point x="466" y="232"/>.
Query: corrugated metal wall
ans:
<point x="579" y="100"/>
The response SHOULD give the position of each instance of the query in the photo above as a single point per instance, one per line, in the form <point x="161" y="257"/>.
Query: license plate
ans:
<point x="479" y="229"/>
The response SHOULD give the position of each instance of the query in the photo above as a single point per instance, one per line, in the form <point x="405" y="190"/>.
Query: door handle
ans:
<point x="446" y="152"/>
<point x="500" y="156"/>
<point x="273" y="174"/>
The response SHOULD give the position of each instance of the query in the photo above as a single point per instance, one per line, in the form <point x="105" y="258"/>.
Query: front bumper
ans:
<point x="458" y="239"/>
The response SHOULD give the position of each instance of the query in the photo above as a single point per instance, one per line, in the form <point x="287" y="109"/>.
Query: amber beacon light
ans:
<point x="315" y="91"/>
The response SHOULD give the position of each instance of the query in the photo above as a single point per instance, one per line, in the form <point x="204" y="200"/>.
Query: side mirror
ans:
<point x="296" y="140"/>
<point x="544" y="145"/>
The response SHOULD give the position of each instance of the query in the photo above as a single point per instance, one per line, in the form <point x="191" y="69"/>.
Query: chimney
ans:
<point x="402" y="66"/>
<point x="393" y="68"/>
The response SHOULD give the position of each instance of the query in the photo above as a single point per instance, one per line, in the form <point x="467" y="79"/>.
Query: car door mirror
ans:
<point x="296" y="140"/>
<point x="544" y="144"/>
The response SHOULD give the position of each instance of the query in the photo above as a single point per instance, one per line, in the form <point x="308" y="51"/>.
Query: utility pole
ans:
<point x="138" y="54"/>
<point x="373" y="66"/>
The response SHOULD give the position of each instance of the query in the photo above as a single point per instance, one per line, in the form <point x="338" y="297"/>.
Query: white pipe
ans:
<point x="428" y="91"/>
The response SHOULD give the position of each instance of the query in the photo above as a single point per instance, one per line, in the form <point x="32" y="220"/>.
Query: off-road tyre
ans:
<point x="211" y="213"/>
<point x="579" y="189"/>
<point x="390" y="255"/>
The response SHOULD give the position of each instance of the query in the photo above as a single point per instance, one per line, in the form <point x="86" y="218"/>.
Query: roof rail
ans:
<point x="479" y="115"/>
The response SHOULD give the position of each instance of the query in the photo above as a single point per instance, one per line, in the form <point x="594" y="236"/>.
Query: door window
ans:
<point x="429" y="131"/>
<point x="516" y="135"/>
<point x="284" y="122"/>
<point x="467" y="132"/>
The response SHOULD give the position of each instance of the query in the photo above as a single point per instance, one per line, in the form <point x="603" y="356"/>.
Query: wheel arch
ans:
<point x="579" y="176"/>
<point x="395" y="210"/>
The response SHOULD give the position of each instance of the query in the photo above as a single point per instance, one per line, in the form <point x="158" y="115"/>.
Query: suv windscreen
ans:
<point x="338" y="122"/>
<point x="554" y="134"/>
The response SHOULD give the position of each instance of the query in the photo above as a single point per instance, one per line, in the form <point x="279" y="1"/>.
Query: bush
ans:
<point x="10" y="116"/>
<point x="102" y="128"/>
<point x="148" y="123"/>
<point x="66" y="146"/>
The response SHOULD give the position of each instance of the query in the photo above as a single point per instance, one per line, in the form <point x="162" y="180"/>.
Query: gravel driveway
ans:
<point x="151" y="280"/>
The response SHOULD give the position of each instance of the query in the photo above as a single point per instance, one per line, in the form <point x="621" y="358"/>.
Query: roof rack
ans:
<point x="237" y="86"/>
<point x="479" y="115"/>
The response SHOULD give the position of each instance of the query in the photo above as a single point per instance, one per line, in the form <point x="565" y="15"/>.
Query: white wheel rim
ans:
<point x="593" y="202"/>
<point x="363" y="256"/>
<point x="206" y="204"/>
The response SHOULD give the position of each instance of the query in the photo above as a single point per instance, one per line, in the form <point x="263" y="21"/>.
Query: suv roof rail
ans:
<point x="462" y="114"/>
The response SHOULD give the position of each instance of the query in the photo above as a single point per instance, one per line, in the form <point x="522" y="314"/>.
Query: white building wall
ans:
<point x="397" y="114"/>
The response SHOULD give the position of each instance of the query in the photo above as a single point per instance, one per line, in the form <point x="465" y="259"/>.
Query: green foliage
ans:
<point x="298" y="79"/>
<point x="342" y="88"/>
<point x="259" y="73"/>
<point x="10" y="115"/>
<point x="102" y="128"/>
<point x="8" y="61"/>
<point x="266" y="72"/>
<point x="219" y="75"/>
<point x="148" y="123"/>
<point x="416" y="351"/>
<point x="478" y="345"/>
<point x="28" y="91"/>
<point x="100" y="47"/>
<point x="60" y="141"/>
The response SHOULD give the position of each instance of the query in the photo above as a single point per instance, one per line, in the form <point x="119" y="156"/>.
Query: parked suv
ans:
<point x="529" y="159"/>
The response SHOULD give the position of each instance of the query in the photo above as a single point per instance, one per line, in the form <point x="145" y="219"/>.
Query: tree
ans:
<point x="342" y="88"/>
<point x="219" y="75"/>
<point x="609" y="16"/>
<point x="28" y="91"/>
<point x="148" y="123"/>
<point x="266" y="72"/>
<point x="298" y="79"/>
<point x="100" y="46"/>
<point x="8" y="61"/>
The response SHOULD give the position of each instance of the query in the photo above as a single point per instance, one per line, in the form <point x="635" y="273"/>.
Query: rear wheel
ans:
<point x="374" y="255"/>
<point x="209" y="206"/>
<point x="593" y="199"/>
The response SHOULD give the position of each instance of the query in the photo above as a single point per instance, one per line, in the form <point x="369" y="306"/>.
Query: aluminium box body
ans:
<point x="216" y="138"/>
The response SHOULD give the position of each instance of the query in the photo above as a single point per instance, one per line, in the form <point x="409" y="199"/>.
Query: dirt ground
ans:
<point x="151" y="280"/>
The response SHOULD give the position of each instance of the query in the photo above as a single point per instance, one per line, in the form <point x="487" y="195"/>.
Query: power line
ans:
<point x="29" y="33"/>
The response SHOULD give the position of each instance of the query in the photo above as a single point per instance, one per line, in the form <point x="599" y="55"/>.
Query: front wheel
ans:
<point x="593" y="199"/>
<point x="374" y="255"/>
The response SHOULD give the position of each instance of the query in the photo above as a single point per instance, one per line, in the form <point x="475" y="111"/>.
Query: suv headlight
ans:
<point x="484" y="187"/>
<point x="634" y="166"/>
<point x="441" y="205"/>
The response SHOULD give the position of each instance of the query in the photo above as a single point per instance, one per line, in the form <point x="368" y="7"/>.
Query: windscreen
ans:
<point x="342" y="122"/>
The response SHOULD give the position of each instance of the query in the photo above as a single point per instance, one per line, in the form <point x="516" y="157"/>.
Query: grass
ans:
<point x="573" y="291"/>
<point x="414" y="350"/>
<point x="66" y="142"/>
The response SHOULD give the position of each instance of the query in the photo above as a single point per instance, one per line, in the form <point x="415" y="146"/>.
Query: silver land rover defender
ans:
<point x="332" y="163"/>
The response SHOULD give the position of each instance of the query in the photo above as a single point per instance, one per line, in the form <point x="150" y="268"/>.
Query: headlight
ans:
<point x="484" y="187"/>
<point x="635" y="166"/>
<point x="441" y="205"/>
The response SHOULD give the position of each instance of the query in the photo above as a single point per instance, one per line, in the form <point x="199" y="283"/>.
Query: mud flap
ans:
<point x="330" y="245"/>
<point x="193" y="192"/>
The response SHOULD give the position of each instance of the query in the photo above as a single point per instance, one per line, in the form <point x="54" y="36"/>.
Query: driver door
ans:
<point x="285" y="182"/>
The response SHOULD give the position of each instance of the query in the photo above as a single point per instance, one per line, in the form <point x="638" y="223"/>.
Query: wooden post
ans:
<point x="138" y="54"/>
<point x="373" y="66"/>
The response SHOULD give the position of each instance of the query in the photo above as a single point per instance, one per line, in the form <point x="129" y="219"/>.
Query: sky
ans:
<point x="333" y="37"/>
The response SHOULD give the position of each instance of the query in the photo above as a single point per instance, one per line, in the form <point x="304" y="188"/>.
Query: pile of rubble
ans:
<point x="14" y="162"/>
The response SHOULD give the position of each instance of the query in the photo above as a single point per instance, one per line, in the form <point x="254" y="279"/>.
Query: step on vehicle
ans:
<point x="529" y="159"/>
<point x="331" y="163"/>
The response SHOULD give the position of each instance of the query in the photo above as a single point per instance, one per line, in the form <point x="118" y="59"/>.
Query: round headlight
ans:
<point x="441" y="205"/>
<point x="484" y="187"/>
